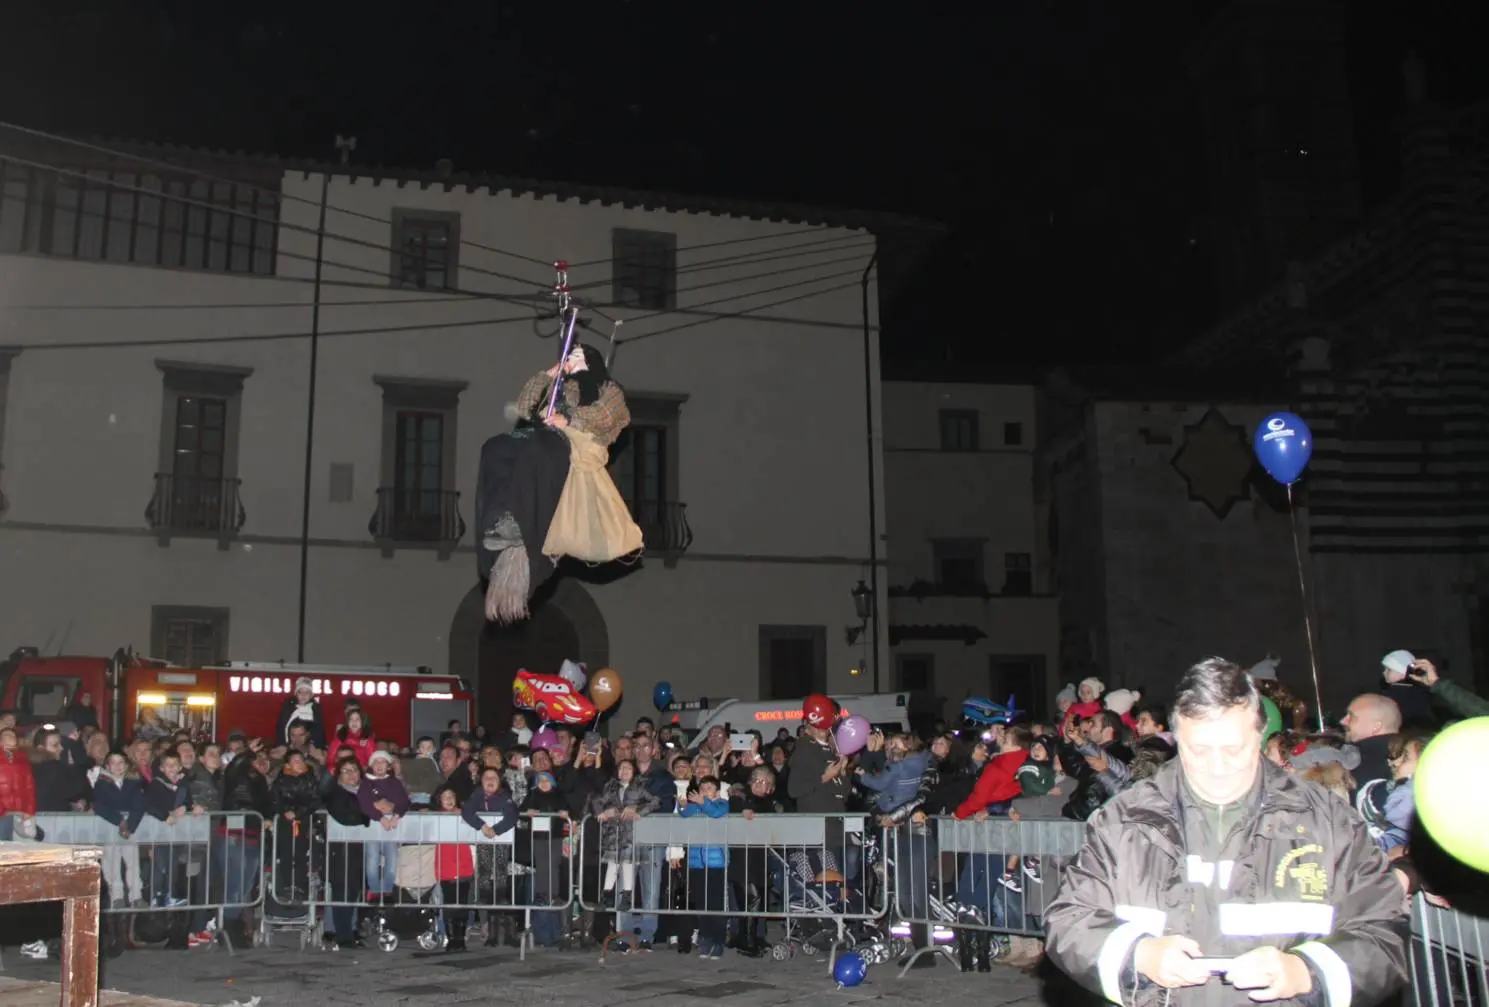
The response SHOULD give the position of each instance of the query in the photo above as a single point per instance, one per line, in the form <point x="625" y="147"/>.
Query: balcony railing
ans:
<point x="417" y="516"/>
<point x="195" y="506"/>
<point x="664" y="526"/>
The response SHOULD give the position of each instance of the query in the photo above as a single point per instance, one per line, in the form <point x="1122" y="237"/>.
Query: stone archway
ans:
<point x="565" y="622"/>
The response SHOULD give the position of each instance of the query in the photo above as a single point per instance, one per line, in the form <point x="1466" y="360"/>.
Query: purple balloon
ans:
<point x="853" y="734"/>
<point x="546" y="739"/>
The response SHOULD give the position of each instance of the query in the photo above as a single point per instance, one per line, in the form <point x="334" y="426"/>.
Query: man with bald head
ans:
<point x="1368" y="724"/>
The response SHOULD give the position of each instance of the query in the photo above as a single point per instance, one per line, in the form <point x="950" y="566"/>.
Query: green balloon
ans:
<point x="1451" y="797"/>
<point x="1274" y="720"/>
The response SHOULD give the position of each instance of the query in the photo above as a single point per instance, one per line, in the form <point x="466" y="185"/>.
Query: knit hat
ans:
<point x="1307" y="755"/>
<point x="1396" y="664"/>
<point x="545" y="776"/>
<point x="1121" y="701"/>
<point x="379" y="756"/>
<point x="1096" y="685"/>
<point x="1065" y="697"/>
<point x="304" y="683"/>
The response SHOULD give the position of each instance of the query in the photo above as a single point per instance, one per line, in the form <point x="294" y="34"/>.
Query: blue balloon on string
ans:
<point x="850" y="969"/>
<point x="1283" y="444"/>
<point x="661" y="695"/>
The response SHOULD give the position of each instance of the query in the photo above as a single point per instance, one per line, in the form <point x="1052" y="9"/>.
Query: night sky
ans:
<point x="1055" y="138"/>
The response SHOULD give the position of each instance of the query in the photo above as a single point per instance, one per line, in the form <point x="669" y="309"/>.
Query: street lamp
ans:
<point x="863" y="607"/>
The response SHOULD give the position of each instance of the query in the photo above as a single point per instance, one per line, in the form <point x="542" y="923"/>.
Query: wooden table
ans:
<point x="39" y="872"/>
<point x="27" y="993"/>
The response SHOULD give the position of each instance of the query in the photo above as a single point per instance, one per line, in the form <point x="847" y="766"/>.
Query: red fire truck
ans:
<point x="403" y="703"/>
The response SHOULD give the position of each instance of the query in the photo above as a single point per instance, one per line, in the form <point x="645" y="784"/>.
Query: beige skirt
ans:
<point x="592" y="522"/>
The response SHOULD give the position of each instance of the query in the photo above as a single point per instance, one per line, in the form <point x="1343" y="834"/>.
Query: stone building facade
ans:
<point x="1381" y="342"/>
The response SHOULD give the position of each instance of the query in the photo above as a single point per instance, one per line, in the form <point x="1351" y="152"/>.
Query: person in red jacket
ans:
<point x="980" y="900"/>
<point x="17" y="783"/>
<point x="998" y="782"/>
<point x="18" y="797"/>
<point x="357" y="735"/>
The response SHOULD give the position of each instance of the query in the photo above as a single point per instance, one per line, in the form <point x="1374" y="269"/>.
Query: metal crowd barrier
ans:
<point x="815" y="873"/>
<point x="976" y="884"/>
<point x="1449" y="957"/>
<point x="669" y="874"/>
<point x="406" y="882"/>
<point x="205" y="865"/>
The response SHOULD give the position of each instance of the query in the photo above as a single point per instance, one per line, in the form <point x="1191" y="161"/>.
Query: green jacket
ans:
<point x="1035" y="778"/>
<point x="1458" y="699"/>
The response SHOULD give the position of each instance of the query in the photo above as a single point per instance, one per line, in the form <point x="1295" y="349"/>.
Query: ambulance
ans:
<point x="887" y="711"/>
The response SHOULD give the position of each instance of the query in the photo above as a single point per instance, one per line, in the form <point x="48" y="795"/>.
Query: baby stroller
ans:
<point x="410" y="912"/>
<point x="291" y="888"/>
<point x="813" y="903"/>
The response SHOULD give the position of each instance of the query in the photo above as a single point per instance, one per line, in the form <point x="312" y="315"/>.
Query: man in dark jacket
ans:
<point x="653" y="774"/>
<point x="1368" y="725"/>
<point x="60" y="785"/>
<point x="1096" y="757"/>
<point x="237" y="842"/>
<point x="1223" y="865"/>
<point x="820" y="784"/>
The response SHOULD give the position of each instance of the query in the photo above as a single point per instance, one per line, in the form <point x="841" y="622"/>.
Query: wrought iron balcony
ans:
<point x="195" y="506"/>
<point x="664" y="526"/>
<point x="406" y="515"/>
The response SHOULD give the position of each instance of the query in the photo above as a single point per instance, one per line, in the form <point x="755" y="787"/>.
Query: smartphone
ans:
<point x="741" y="742"/>
<point x="1219" y="966"/>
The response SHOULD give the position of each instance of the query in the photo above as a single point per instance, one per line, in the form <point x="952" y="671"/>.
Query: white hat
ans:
<point x="1066" y="694"/>
<point x="1398" y="660"/>
<point x="1095" y="684"/>
<point x="1396" y="663"/>
<point x="1121" y="701"/>
<point x="379" y="756"/>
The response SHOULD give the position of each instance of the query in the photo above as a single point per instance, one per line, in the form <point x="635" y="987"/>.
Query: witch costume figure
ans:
<point x="543" y="491"/>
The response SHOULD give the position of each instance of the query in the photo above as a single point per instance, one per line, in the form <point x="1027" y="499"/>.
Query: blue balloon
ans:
<point x="1283" y="445"/>
<point x="850" y="969"/>
<point x="661" y="695"/>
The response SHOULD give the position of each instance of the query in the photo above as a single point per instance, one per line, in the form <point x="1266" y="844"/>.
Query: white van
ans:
<point x="888" y="711"/>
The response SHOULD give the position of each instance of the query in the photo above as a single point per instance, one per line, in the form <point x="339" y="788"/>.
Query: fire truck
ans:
<point x="403" y="703"/>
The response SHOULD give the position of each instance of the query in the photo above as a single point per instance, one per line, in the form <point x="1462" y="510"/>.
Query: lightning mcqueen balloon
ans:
<point x="552" y="698"/>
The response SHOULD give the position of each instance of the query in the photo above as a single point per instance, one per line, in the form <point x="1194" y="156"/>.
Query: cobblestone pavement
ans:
<point x="284" y="977"/>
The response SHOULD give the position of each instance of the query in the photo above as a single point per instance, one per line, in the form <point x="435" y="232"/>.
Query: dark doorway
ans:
<point x="539" y="644"/>
<point x="793" y="661"/>
<point x="1022" y="677"/>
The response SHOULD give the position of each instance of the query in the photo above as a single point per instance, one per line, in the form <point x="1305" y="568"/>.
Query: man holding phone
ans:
<point x="1225" y="880"/>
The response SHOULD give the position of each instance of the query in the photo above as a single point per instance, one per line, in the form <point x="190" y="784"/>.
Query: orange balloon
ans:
<point x="605" y="688"/>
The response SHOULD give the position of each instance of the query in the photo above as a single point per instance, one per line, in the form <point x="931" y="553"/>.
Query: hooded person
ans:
<point x="543" y="491"/>
<point x="1412" y="697"/>
<point x="1065" y="699"/>
<point x="1088" y="703"/>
